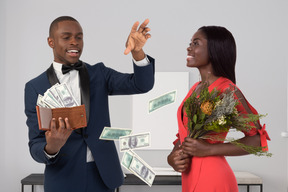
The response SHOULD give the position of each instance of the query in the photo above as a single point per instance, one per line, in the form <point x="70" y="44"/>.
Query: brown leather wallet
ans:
<point x="76" y="116"/>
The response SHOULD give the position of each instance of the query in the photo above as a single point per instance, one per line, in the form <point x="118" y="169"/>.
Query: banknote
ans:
<point x="141" y="169"/>
<point x="54" y="93"/>
<point x="40" y="101"/>
<point x="50" y="100"/>
<point x="134" y="141"/>
<point x="112" y="133"/>
<point x="161" y="101"/>
<point x="127" y="159"/>
<point x="66" y="96"/>
<point x="57" y="96"/>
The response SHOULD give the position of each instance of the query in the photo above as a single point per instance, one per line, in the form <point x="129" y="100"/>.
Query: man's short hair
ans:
<point x="54" y="24"/>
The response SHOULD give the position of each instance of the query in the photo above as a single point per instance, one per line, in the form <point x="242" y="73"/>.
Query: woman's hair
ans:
<point x="221" y="50"/>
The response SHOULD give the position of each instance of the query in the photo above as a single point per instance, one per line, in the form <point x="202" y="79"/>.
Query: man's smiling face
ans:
<point x="66" y="41"/>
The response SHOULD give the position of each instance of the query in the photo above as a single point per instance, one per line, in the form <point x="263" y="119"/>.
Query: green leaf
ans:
<point x="195" y="118"/>
<point x="202" y="117"/>
<point x="198" y="126"/>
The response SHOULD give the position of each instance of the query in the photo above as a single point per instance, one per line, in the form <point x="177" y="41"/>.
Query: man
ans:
<point x="77" y="160"/>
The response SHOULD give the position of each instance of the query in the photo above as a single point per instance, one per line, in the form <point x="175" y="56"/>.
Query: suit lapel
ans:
<point x="52" y="76"/>
<point x="85" y="89"/>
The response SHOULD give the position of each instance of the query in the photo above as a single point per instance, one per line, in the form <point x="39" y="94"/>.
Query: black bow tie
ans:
<point x="67" y="68"/>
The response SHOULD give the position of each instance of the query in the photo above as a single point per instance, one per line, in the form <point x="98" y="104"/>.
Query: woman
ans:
<point x="204" y="168"/>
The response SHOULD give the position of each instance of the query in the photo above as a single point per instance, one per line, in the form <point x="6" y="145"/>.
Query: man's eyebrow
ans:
<point x="69" y="33"/>
<point x="65" y="33"/>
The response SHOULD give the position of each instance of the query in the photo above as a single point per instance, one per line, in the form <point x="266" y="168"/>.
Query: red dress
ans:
<point x="212" y="173"/>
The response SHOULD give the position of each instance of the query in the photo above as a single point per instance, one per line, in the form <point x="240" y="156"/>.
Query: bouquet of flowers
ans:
<point x="214" y="111"/>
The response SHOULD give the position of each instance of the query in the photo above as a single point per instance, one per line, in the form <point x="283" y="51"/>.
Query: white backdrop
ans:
<point x="161" y="123"/>
<point x="259" y="27"/>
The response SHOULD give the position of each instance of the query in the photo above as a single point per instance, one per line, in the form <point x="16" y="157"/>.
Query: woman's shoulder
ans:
<point x="223" y="83"/>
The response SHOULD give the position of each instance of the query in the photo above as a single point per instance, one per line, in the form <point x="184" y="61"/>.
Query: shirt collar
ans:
<point x="57" y="67"/>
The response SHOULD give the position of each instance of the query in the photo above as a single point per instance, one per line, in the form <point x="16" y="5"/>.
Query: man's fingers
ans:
<point x="127" y="50"/>
<point x="61" y="123"/>
<point x="143" y="26"/>
<point x="146" y="30"/>
<point x="147" y="36"/>
<point x="53" y="124"/>
<point x="47" y="133"/>
<point x="67" y="123"/>
<point x="137" y="38"/>
<point x="134" y="27"/>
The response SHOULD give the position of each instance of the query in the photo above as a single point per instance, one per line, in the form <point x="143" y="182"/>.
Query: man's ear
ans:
<point x="50" y="42"/>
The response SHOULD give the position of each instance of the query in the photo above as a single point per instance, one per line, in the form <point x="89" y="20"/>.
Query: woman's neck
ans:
<point x="209" y="79"/>
<point x="208" y="76"/>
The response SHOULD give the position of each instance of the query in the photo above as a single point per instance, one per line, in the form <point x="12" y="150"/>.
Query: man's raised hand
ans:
<point x="137" y="38"/>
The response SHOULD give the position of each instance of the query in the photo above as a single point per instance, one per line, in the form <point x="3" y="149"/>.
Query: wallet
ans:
<point x="76" y="116"/>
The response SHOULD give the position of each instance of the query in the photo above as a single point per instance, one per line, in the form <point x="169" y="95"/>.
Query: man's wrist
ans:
<point x="138" y="55"/>
<point x="50" y="153"/>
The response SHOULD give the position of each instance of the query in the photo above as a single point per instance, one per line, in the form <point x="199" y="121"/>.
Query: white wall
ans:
<point x="2" y="83"/>
<point x="259" y="27"/>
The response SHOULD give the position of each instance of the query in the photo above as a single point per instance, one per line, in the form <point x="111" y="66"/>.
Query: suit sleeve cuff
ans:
<point x="142" y="63"/>
<point x="50" y="156"/>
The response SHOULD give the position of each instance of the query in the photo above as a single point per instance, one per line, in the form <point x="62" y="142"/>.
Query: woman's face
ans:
<point x="197" y="55"/>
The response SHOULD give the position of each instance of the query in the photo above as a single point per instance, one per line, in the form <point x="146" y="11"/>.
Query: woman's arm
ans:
<point x="199" y="147"/>
<point x="177" y="159"/>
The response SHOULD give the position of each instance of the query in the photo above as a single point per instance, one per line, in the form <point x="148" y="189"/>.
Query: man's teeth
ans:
<point x="189" y="56"/>
<point x="72" y="51"/>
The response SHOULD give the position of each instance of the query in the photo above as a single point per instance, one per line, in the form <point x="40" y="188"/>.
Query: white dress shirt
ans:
<point x="72" y="80"/>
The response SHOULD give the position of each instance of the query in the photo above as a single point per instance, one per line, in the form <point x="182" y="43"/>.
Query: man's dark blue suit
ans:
<point x="68" y="171"/>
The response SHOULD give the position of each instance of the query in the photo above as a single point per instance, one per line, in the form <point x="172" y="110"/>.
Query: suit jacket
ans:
<point x="67" y="171"/>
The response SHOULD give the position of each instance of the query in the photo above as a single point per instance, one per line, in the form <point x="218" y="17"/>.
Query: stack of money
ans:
<point x="128" y="142"/>
<point x="59" y="95"/>
<point x="132" y="162"/>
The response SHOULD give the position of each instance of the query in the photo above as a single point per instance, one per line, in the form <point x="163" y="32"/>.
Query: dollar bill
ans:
<point x="138" y="167"/>
<point x="161" y="101"/>
<point x="49" y="100"/>
<point x="66" y="96"/>
<point x="127" y="159"/>
<point x="40" y="101"/>
<point x="54" y="93"/>
<point x="110" y="133"/>
<point x="134" y="141"/>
